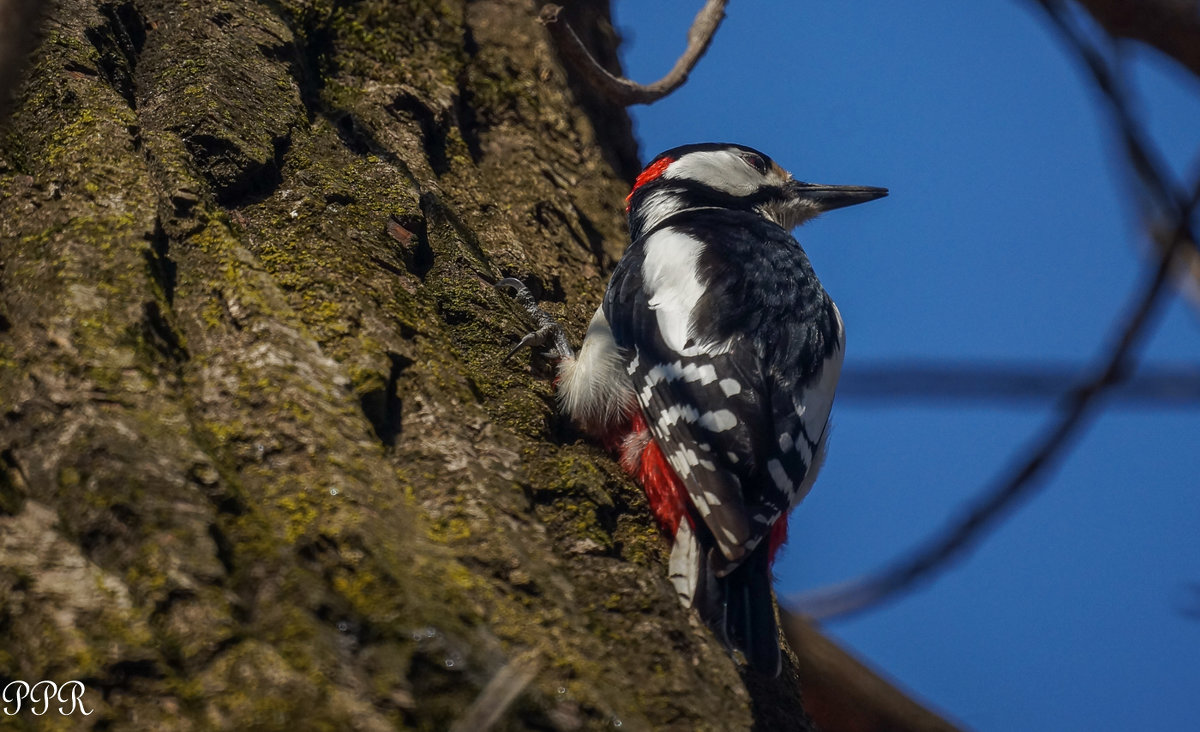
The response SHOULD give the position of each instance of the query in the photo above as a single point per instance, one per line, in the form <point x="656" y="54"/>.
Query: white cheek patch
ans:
<point x="723" y="170"/>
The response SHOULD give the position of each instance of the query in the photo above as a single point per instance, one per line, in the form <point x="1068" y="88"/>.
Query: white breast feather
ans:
<point x="594" y="389"/>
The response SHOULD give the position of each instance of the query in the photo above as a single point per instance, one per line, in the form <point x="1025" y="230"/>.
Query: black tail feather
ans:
<point x="745" y="613"/>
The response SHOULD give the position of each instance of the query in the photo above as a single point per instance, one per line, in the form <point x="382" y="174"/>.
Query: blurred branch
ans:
<point x="1171" y="26"/>
<point x="18" y="34"/>
<point x="1010" y="383"/>
<point x="839" y="687"/>
<point x="618" y="89"/>
<point x="1019" y="481"/>
<point x="1188" y="266"/>
<point x="1170" y="200"/>
<point x="499" y="694"/>
<point x="1015" y="483"/>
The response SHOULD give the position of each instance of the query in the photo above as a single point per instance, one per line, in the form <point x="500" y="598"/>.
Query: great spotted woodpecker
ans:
<point x="711" y="367"/>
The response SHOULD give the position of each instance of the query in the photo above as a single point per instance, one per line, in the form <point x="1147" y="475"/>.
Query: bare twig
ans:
<point x="858" y="595"/>
<point x="1036" y="385"/>
<point x="1021" y="480"/>
<point x="1189" y="268"/>
<point x="618" y="89"/>
<point x="1152" y="173"/>
<point x="1171" y="26"/>
<point x="499" y="694"/>
<point x="1171" y="202"/>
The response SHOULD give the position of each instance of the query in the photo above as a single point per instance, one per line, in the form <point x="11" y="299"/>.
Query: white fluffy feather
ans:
<point x="594" y="389"/>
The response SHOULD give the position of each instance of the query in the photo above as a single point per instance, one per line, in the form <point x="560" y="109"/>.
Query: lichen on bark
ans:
<point x="261" y="462"/>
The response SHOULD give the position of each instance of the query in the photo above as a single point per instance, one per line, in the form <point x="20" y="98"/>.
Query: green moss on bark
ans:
<point x="254" y="360"/>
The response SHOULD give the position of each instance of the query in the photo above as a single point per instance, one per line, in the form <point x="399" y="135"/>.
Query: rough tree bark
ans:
<point x="261" y="466"/>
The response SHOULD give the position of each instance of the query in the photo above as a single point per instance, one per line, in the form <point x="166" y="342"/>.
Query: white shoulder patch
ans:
<point x="671" y="277"/>
<point x="723" y="170"/>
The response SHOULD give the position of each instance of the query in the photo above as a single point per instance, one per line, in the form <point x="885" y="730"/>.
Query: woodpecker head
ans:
<point x="724" y="175"/>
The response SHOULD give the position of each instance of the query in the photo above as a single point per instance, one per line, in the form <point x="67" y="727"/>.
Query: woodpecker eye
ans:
<point x="756" y="162"/>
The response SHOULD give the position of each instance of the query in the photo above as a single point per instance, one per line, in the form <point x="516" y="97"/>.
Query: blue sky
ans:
<point x="1010" y="234"/>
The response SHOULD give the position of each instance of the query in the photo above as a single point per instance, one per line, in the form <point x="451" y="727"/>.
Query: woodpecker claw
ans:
<point x="537" y="338"/>
<point x="548" y="333"/>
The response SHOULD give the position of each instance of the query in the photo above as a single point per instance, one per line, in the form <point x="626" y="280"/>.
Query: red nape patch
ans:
<point x="653" y="172"/>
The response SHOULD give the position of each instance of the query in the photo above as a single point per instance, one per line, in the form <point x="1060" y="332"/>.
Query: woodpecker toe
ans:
<point x="548" y="332"/>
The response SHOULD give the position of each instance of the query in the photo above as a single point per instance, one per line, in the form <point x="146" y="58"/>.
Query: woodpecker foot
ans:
<point x="548" y="333"/>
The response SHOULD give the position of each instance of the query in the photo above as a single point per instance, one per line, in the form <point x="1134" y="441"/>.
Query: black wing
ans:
<point x="727" y="404"/>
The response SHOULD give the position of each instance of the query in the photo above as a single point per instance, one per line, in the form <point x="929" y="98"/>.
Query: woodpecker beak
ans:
<point x="826" y="198"/>
<point x="803" y="201"/>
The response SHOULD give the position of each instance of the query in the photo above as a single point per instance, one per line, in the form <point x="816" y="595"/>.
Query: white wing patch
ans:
<point x="633" y="365"/>
<point x="705" y="374"/>
<point x="676" y="412"/>
<point x="786" y="443"/>
<point x="779" y="475"/>
<point x="718" y="421"/>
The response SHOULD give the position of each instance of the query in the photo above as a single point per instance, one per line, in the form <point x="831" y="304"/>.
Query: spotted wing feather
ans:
<point x="729" y="379"/>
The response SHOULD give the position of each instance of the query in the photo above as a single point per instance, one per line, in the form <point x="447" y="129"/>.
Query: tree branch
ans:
<point x="1018" y="482"/>
<point x="1010" y="383"/>
<point x="1176" y="206"/>
<point x="1171" y="26"/>
<point x="618" y="89"/>
<point x="1152" y="173"/>
<point x="839" y="687"/>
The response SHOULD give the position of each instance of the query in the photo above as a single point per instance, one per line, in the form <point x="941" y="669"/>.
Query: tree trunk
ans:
<point x="261" y="463"/>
